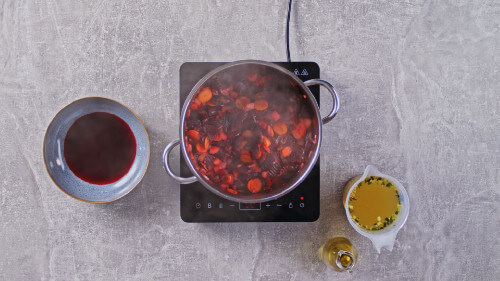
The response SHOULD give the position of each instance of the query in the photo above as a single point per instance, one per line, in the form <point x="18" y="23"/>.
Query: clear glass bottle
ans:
<point x="339" y="253"/>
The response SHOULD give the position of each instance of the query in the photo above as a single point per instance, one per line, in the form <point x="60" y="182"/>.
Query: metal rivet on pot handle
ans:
<point x="166" y="164"/>
<point x="336" y="101"/>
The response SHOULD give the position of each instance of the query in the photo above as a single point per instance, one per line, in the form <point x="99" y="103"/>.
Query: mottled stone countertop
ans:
<point x="419" y="84"/>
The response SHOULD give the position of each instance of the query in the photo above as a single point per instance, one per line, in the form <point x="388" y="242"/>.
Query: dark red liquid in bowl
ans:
<point x="99" y="148"/>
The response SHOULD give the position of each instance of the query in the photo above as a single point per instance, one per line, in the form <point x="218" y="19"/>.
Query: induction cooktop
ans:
<point x="199" y="205"/>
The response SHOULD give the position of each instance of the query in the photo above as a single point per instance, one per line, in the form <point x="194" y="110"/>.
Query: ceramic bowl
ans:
<point x="58" y="169"/>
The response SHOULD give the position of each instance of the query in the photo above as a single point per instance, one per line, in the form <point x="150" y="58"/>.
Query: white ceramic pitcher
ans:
<point x="380" y="238"/>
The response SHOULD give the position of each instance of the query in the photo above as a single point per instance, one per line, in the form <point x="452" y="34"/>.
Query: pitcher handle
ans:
<point x="335" y="97"/>
<point x="166" y="164"/>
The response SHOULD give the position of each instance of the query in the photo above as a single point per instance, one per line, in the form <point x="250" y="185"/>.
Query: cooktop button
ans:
<point x="268" y="205"/>
<point x="221" y="205"/>
<point x="301" y="205"/>
<point x="197" y="205"/>
<point x="209" y="205"/>
<point x="290" y="206"/>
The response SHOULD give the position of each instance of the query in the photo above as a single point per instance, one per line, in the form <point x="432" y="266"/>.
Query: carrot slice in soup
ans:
<point x="299" y="131"/>
<point x="275" y="116"/>
<point x="230" y="190"/>
<point x="194" y="135"/>
<point x="207" y="142"/>
<point x="266" y="142"/>
<point x="229" y="178"/>
<point x="306" y="121"/>
<point x="286" y="151"/>
<point x="213" y="150"/>
<point x="245" y="157"/>
<point x="280" y="128"/>
<point x="217" y="161"/>
<point x="241" y="102"/>
<point x="254" y="185"/>
<point x="205" y="95"/>
<point x="261" y="105"/>
<point x="201" y="147"/>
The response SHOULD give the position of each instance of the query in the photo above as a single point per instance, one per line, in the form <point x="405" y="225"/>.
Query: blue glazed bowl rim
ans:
<point x="124" y="106"/>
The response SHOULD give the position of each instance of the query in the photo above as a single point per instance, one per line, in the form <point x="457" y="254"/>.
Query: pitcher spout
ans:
<point x="383" y="241"/>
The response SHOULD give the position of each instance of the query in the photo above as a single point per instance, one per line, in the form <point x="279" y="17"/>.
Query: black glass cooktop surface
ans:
<point x="198" y="204"/>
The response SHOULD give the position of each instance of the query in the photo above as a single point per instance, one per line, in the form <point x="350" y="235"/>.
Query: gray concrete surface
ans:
<point x="419" y="82"/>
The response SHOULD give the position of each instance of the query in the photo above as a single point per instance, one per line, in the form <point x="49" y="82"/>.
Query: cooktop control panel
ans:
<point x="198" y="204"/>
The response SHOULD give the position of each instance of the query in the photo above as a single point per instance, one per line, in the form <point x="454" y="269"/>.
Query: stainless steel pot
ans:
<point x="274" y="193"/>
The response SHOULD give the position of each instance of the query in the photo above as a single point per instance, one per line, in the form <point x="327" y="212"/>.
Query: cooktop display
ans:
<point x="198" y="204"/>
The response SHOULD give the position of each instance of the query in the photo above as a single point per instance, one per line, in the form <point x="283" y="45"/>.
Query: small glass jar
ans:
<point x="339" y="253"/>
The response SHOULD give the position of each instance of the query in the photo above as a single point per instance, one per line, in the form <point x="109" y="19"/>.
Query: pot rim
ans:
<point x="272" y="195"/>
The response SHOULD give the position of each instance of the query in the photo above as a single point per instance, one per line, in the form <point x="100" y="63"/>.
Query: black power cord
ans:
<point x="288" y="32"/>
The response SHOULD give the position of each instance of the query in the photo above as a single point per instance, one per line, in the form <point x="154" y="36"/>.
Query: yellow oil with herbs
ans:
<point x="374" y="203"/>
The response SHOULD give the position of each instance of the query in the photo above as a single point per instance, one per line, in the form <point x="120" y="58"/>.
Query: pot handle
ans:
<point x="336" y="101"/>
<point x="166" y="164"/>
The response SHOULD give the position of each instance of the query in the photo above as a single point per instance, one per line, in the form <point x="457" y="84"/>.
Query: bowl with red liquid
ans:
<point x="250" y="131"/>
<point x="96" y="150"/>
